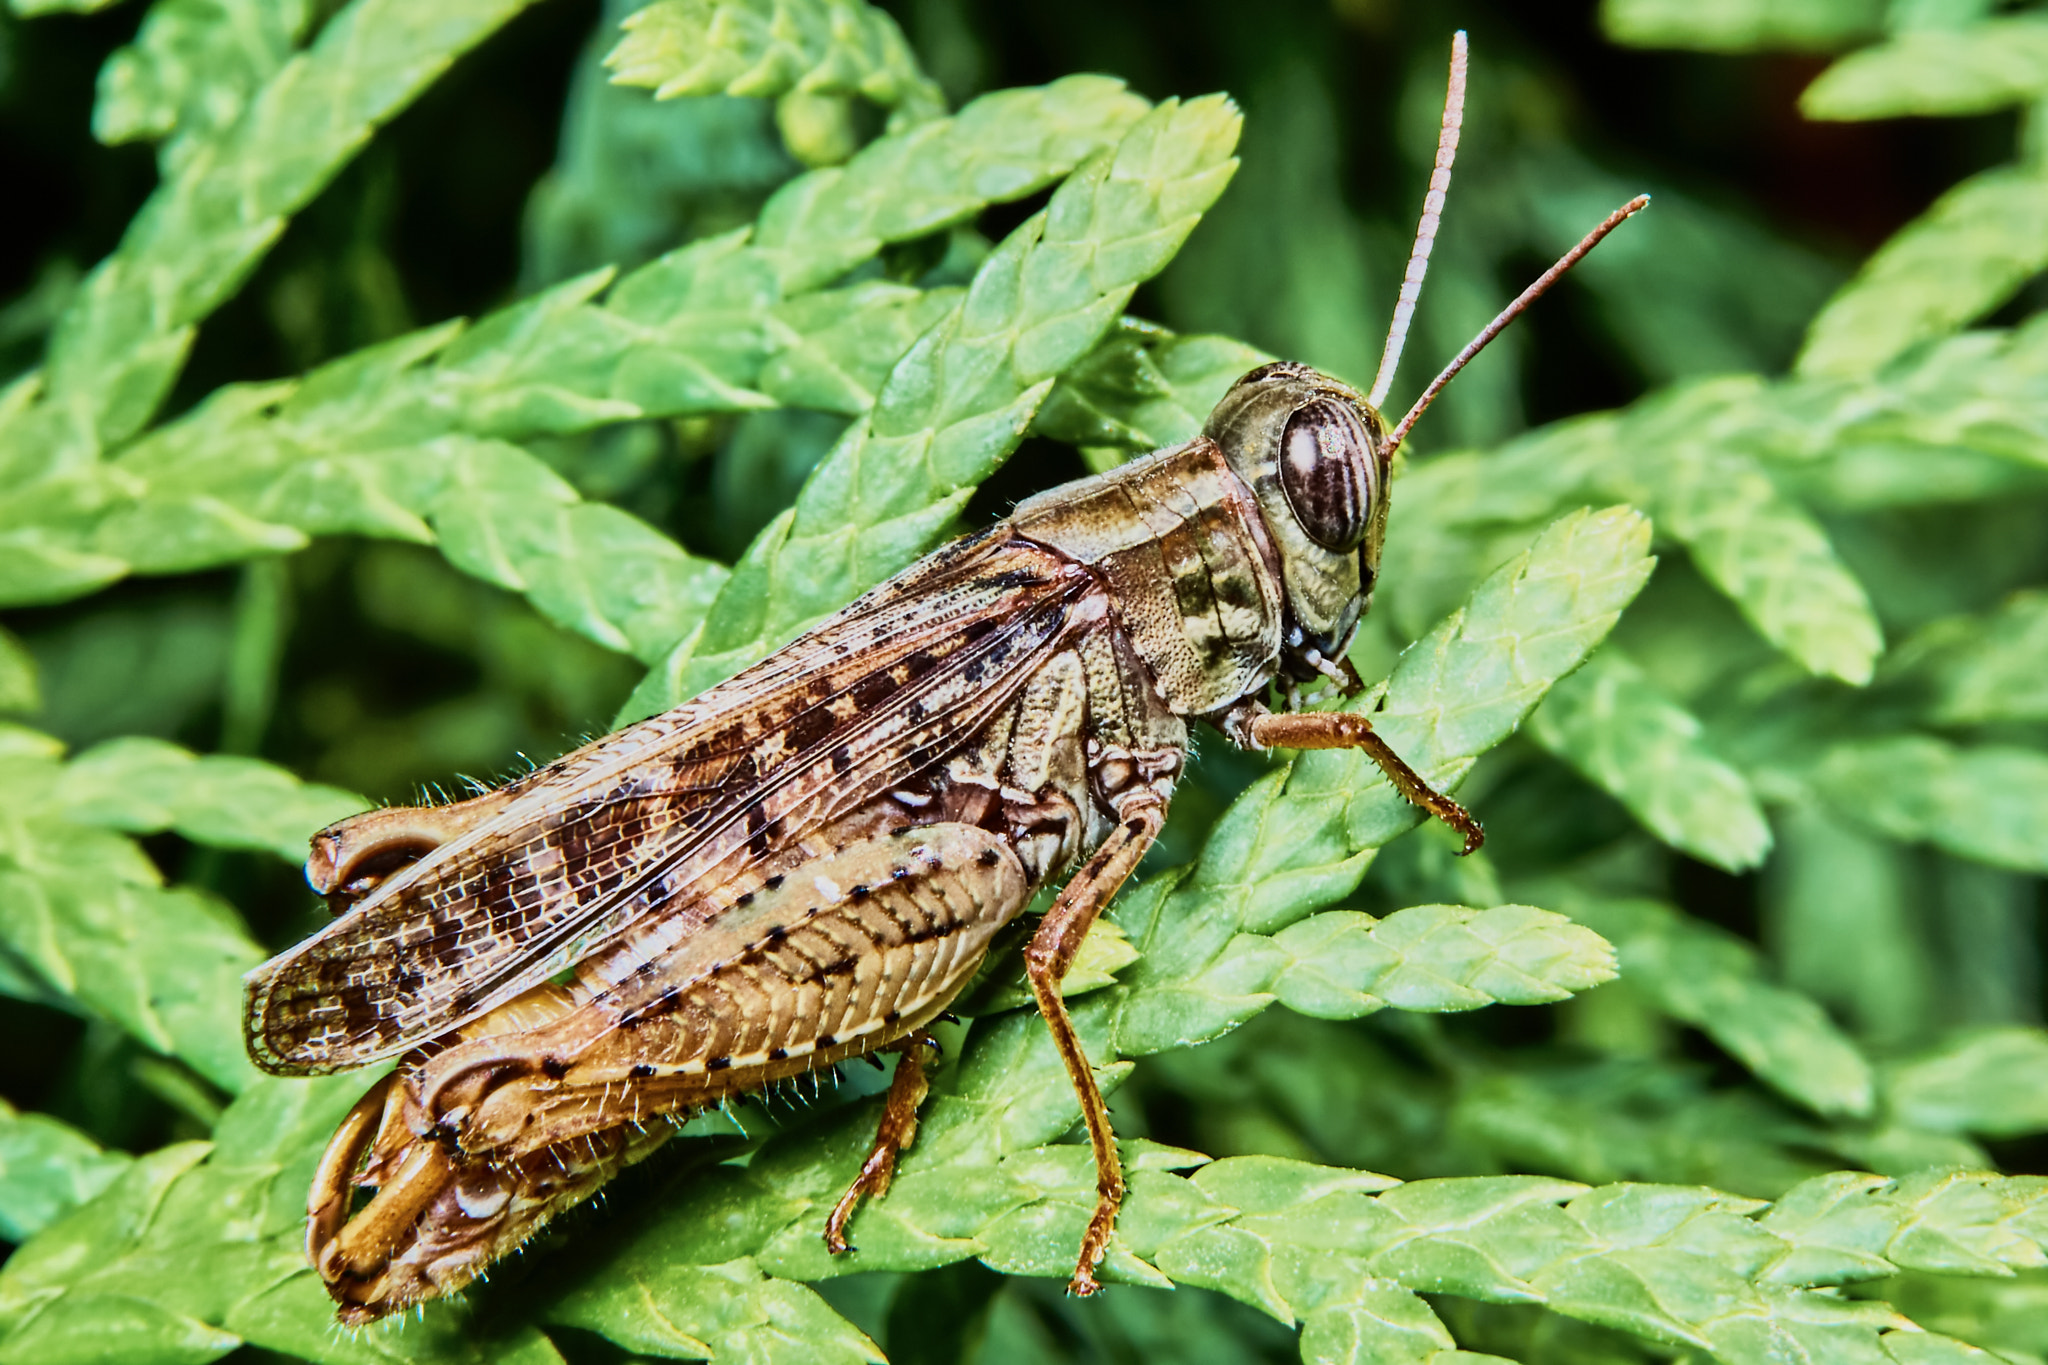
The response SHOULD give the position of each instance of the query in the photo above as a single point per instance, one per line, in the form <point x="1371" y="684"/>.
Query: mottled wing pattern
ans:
<point x="644" y="819"/>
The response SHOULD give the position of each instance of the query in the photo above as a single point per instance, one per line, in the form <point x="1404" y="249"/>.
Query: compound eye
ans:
<point x="1329" y="472"/>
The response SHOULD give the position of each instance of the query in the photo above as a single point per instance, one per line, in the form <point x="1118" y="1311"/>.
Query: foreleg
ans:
<point x="1252" y="726"/>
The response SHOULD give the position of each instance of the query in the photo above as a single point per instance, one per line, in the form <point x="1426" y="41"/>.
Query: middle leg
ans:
<point x="1046" y="961"/>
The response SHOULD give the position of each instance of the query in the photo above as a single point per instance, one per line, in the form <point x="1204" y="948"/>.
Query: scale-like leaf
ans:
<point x="1988" y="1081"/>
<point x="1959" y="260"/>
<point x="1989" y="803"/>
<point x="742" y="1313"/>
<point x="85" y="909"/>
<point x="1990" y="64"/>
<point x="1436" y="958"/>
<point x="1714" y="981"/>
<point x="392" y="441"/>
<point x="124" y="338"/>
<point x="1980" y="669"/>
<point x="1141" y="390"/>
<point x="141" y="786"/>
<point x="959" y="402"/>
<point x="1681" y="457"/>
<point x="771" y="47"/>
<point x="198" y="1248"/>
<point x="1751" y="541"/>
<point x="1740" y="25"/>
<point x="18" y="689"/>
<point x="1611" y="723"/>
<point x="86" y="912"/>
<point x="47" y="1169"/>
<point x="191" y="70"/>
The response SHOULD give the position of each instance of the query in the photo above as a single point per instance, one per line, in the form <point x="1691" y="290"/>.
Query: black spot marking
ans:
<point x="760" y="831"/>
<point x="555" y="1067"/>
<point x="811" y="727"/>
<point x="858" y="893"/>
<point x="778" y="1054"/>
<point x="774" y="882"/>
<point x="828" y="1040"/>
<point x="870" y="692"/>
<point x="891" y="1017"/>
<point x="777" y="934"/>
<point x="919" y="664"/>
<point x="842" y="760"/>
<point x="976" y="631"/>
<point x="989" y="857"/>
<point x="640" y="1071"/>
<point x="1011" y="578"/>
<point x="718" y="1064"/>
<point x="914" y="712"/>
<point x="1233" y="590"/>
<point x="899" y="874"/>
<point x="746" y="898"/>
<point x="1134" y="826"/>
<point x="900" y="831"/>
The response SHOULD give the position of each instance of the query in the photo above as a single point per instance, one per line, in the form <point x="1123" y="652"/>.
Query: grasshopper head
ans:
<point x="1315" y="455"/>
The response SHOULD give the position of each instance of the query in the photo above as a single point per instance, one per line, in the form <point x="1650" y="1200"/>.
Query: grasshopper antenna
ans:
<point x="1425" y="231"/>
<point x="1509" y="314"/>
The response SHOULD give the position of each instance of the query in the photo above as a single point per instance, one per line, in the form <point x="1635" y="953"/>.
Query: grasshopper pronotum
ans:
<point x="808" y="862"/>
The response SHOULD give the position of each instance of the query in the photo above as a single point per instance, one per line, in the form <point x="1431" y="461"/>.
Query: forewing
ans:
<point x="638" y="821"/>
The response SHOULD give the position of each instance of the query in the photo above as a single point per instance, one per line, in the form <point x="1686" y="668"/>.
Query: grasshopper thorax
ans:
<point x="1314" y="453"/>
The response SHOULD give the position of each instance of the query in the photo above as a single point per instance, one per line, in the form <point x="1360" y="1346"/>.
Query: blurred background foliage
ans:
<point x="1802" y="790"/>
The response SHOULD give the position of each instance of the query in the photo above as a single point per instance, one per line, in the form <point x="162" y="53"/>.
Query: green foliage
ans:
<point x="1740" y="25"/>
<point x="1745" y="675"/>
<point x="773" y="47"/>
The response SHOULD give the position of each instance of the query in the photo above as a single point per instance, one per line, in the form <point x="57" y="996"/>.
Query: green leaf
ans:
<point x="191" y="70"/>
<point x="772" y="47"/>
<point x="1142" y="390"/>
<point x="1341" y="965"/>
<point x="86" y="910"/>
<point x="1981" y="669"/>
<point x="1706" y="977"/>
<point x="1740" y="25"/>
<point x="142" y="786"/>
<point x="197" y="1248"/>
<point x="1988" y="803"/>
<point x="1991" y="64"/>
<point x="1681" y="457"/>
<point x="47" y="1169"/>
<point x="368" y="444"/>
<point x="1610" y="722"/>
<point x="1751" y="541"/>
<point x="18" y="689"/>
<point x="958" y="403"/>
<point x="1962" y="258"/>
<point x="1989" y="1081"/>
<point x="743" y="1314"/>
<point x="124" y="339"/>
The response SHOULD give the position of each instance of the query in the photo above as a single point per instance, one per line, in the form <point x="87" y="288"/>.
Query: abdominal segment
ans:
<point x="542" y="1101"/>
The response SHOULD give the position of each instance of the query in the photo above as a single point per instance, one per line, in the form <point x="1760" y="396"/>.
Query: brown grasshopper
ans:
<point x="808" y="862"/>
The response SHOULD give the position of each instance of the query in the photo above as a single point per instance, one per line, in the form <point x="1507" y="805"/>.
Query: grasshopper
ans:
<point x="808" y="862"/>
